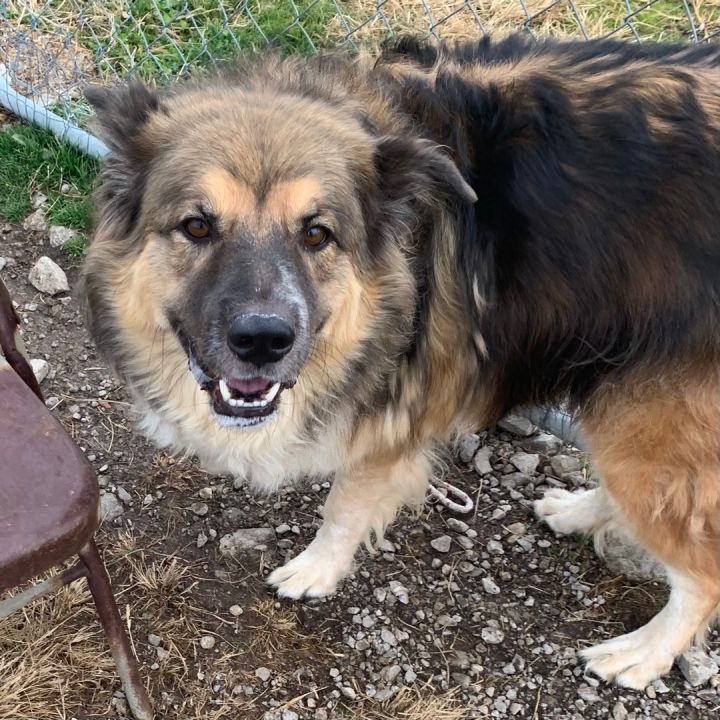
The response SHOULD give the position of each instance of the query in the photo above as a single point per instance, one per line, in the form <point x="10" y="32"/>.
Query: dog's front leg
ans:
<point x="361" y="504"/>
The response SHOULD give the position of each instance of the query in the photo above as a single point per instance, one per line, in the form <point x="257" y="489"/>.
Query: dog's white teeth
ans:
<point x="225" y="391"/>
<point x="271" y="393"/>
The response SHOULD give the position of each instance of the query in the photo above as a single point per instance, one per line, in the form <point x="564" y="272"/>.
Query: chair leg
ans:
<point x="120" y="648"/>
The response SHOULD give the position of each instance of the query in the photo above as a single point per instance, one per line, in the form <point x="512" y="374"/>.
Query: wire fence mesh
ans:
<point x="50" y="49"/>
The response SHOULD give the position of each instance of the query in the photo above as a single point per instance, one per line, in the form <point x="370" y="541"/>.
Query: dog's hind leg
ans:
<point x="360" y="505"/>
<point x="658" y="452"/>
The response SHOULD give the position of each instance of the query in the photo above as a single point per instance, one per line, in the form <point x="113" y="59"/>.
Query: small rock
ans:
<point x="517" y="425"/>
<point x="544" y="443"/>
<point x="468" y="447"/>
<point x="494" y="547"/>
<point x="48" y="277"/>
<point x="492" y="635"/>
<point x="199" y="509"/>
<point x="697" y="667"/>
<point x="391" y="672"/>
<point x="623" y="556"/>
<point x="619" y="712"/>
<point x="154" y="640"/>
<point x="243" y="541"/>
<point x="348" y="692"/>
<point x="60" y="235"/>
<point x="490" y="586"/>
<point x="563" y="464"/>
<point x="588" y="694"/>
<point x="110" y="508"/>
<point x="36" y="221"/>
<point x="202" y="539"/>
<point x="236" y="610"/>
<point x="517" y="528"/>
<point x="442" y="543"/>
<point x="399" y="591"/>
<point x="263" y="673"/>
<point x="282" y="529"/>
<point x="40" y="368"/>
<point x="526" y="463"/>
<point x="481" y="461"/>
<point x="124" y="495"/>
<point x="38" y="200"/>
<point x="3" y="262"/>
<point x="206" y="493"/>
<point x="207" y="642"/>
<point x="457" y="525"/>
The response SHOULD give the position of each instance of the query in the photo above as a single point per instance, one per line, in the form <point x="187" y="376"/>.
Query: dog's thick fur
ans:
<point x="512" y="222"/>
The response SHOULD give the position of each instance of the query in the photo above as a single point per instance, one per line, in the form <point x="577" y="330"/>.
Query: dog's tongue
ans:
<point x="249" y="387"/>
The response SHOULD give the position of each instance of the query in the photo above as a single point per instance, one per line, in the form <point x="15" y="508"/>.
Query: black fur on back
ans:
<point x="595" y="240"/>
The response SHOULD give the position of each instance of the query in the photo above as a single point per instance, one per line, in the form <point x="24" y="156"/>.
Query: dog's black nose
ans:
<point x="261" y="339"/>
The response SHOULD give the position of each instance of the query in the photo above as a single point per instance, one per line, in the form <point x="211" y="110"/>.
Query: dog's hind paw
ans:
<point x="314" y="573"/>
<point x="633" y="661"/>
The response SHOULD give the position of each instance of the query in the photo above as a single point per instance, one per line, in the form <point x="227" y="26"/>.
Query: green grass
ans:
<point x="180" y="39"/>
<point x="34" y="161"/>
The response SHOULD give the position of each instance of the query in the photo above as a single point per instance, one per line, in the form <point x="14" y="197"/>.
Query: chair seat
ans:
<point x="48" y="491"/>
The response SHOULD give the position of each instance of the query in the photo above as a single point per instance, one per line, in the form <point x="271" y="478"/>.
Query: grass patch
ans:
<point x="163" y="39"/>
<point x="34" y="161"/>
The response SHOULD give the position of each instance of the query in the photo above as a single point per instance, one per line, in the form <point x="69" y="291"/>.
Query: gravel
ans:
<point x="697" y="667"/>
<point x="441" y="544"/>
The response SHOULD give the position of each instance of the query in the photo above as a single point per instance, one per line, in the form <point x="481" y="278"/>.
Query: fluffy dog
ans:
<point x="332" y="265"/>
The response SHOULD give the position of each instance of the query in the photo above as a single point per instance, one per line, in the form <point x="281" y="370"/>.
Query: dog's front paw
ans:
<point x="633" y="661"/>
<point x="315" y="572"/>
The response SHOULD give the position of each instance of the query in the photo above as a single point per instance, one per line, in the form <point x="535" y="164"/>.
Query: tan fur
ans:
<point x="656" y="443"/>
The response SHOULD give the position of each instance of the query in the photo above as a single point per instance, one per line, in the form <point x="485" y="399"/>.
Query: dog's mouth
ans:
<point x="240" y="402"/>
<point x="254" y="398"/>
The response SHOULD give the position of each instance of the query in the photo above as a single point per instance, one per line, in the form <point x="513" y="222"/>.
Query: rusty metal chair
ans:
<point x="49" y="506"/>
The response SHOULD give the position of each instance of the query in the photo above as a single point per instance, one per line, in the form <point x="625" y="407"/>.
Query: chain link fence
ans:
<point x="50" y="49"/>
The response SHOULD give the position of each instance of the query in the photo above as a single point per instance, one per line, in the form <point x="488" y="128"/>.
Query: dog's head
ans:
<point x="267" y="228"/>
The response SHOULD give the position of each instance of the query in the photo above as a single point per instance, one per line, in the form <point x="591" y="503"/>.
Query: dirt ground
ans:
<point x="487" y="629"/>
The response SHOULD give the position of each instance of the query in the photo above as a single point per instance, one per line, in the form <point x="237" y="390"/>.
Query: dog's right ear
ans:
<point x="121" y="115"/>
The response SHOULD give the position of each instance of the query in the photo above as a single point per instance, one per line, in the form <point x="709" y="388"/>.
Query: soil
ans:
<point x="408" y="633"/>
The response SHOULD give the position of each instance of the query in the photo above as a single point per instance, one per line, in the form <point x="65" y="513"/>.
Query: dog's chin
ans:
<point x="241" y="403"/>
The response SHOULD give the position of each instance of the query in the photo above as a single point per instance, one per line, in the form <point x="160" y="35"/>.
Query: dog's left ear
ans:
<point x="414" y="169"/>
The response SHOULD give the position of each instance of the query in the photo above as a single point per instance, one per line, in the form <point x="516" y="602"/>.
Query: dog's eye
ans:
<point x="196" y="228"/>
<point x="316" y="236"/>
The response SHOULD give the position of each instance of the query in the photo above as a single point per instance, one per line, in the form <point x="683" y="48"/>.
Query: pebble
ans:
<point x="202" y="540"/>
<point x="40" y="368"/>
<point x="236" y="610"/>
<point x="110" y="508"/>
<point x="199" y="509"/>
<point x="481" y="461"/>
<point x="526" y="463"/>
<point x="492" y="635"/>
<point x="564" y="464"/>
<point x="207" y="642"/>
<point x="60" y="236"/>
<point x="619" y="711"/>
<point x="282" y="529"/>
<point x="544" y="443"/>
<point x="235" y="545"/>
<point x="154" y="640"/>
<point x="468" y="447"/>
<point x="517" y="425"/>
<point x="263" y="673"/>
<point x="457" y="525"/>
<point x="48" y="277"/>
<point x="697" y="667"/>
<point x="399" y="591"/>
<point x="36" y="221"/>
<point x="442" y="543"/>
<point x="124" y="495"/>
<point x="517" y="528"/>
<point x="494" y="547"/>
<point x="348" y="692"/>
<point x="490" y="586"/>
<point x="3" y="263"/>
